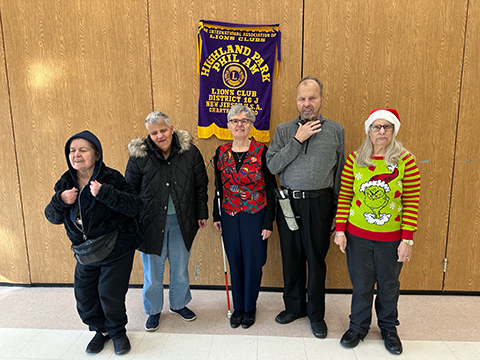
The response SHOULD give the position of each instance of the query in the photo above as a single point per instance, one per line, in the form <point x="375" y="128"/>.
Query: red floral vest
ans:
<point x="243" y="190"/>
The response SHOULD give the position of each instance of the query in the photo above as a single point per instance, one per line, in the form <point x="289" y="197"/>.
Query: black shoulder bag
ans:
<point x="93" y="250"/>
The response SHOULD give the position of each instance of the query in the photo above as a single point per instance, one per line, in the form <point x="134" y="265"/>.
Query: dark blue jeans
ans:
<point x="371" y="262"/>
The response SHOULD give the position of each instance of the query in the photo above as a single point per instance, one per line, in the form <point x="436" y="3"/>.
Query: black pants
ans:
<point x="308" y="245"/>
<point x="371" y="262"/>
<point x="247" y="253"/>
<point x="100" y="293"/>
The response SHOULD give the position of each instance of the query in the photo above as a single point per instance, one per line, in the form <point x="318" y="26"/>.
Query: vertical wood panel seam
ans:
<point x="456" y="140"/>
<point x="15" y="147"/>
<point x="150" y="54"/>
<point x="303" y="40"/>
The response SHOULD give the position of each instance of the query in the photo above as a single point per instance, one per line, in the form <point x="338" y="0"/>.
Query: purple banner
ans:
<point x="235" y="64"/>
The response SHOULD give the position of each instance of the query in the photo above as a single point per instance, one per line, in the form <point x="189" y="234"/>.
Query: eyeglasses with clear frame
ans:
<point x="386" y="127"/>
<point x="236" y="121"/>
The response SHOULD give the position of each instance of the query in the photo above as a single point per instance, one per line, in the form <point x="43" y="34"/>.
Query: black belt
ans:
<point x="307" y="194"/>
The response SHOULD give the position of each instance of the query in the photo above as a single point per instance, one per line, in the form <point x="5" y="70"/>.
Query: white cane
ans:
<point x="229" y="313"/>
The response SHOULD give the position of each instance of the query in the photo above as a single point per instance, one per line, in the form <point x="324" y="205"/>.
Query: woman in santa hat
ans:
<point x="376" y="218"/>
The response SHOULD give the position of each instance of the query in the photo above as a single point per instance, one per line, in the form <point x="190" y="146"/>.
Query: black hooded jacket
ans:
<point x="182" y="176"/>
<point x="114" y="207"/>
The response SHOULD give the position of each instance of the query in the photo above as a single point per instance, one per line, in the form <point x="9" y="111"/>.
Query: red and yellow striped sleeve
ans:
<point x="410" y="196"/>
<point x="346" y="193"/>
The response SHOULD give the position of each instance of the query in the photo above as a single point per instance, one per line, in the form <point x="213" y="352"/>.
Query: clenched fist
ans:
<point x="69" y="196"/>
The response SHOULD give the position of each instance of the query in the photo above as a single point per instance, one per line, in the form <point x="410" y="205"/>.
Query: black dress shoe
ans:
<point x="248" y="319"/>
<point x="96" y="344"/>
<point x="392" y="342"/>
<point x="286" y="318"/>
<point x="236" y="318"/>
<point x="351" y="338"/>
<point x="319" y="329"/>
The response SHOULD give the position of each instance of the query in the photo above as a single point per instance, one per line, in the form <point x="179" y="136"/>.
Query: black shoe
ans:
<point x="185" y="313"/>
<point x="236" y="318"/>
<point x="286" y="318"/>
<point x="351" y="338"/>
<point x="152" y="322"/>
<point x="319" y="329"/>
<point x="392" y="342"/>
<point x="121" y="345"/>
<point x="96" y="344"/>
<point x="248" y="319"/>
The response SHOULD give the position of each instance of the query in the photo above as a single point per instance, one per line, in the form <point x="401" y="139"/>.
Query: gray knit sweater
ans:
<point x="316" y="163"/>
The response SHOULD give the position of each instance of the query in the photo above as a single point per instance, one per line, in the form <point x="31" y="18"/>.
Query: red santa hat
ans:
<point x="390" y="115"/>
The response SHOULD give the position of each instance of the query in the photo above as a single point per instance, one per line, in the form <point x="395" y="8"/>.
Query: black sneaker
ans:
<point x="96" y="344"/>
<point x="152" y="322"/>
<point x="121" y="345"/>
<point x="185" y="313"/>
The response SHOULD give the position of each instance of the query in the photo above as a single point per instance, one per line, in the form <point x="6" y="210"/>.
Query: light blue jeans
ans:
<point x="153" y="267"/>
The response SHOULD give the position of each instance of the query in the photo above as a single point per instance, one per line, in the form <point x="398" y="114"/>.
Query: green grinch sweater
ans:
<point x="379" y="202"/>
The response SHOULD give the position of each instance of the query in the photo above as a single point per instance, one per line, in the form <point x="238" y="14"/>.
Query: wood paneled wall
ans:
<point x="13" y="249"/>
<point x="104" y="65"/>
<point x="463" y="251"/>
<point x="72" y="66"/>
<point x="399" y="54"/>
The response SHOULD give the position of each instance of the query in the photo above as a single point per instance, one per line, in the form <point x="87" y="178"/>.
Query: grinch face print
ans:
<point x="376" y="198"/>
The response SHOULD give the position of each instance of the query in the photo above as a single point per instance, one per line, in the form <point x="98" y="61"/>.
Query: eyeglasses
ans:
<point x="386" y="127"/>
<point x="236" y="121"/>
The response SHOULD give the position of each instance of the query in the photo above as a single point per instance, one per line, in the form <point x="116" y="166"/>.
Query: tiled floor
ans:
<point x="42" y="323"/>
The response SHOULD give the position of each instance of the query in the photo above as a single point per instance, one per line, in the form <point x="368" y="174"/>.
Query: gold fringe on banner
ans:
<point x="225" y="134"/>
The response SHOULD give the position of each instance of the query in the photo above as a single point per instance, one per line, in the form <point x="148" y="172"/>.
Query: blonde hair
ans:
<point x="392" y="153"/>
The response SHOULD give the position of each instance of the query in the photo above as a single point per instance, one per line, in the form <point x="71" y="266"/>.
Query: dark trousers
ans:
<point x="371" y="262"/>
<point x="308" y="245"/>
<point x="100" y="293"/>
<point x="247" y="253"/>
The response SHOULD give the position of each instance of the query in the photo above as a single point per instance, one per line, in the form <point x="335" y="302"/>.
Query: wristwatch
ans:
<point x="408" y="242"/>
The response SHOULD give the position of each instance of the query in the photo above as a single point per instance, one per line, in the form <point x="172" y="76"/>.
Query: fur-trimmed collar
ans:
<point x="137" y="148"/>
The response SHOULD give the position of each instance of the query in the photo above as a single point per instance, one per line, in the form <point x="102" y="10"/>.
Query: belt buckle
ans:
<point x="300" y="196"/>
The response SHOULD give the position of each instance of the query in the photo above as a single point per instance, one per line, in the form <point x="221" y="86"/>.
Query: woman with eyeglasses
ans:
<point x="244" y="186"/>
<point x="375" y="222"/>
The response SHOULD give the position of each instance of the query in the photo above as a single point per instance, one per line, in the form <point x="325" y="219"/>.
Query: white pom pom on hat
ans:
<point x="391" y="115"/>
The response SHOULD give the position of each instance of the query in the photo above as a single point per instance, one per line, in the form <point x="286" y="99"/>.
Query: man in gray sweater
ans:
<point x="308" y="155"/>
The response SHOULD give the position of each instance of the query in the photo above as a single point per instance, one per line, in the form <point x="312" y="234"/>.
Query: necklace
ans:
<point x="244" y="153"/>
<point x="240" y="158"/>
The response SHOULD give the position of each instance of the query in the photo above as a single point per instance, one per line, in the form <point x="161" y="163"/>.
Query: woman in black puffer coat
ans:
<point x="182" y="175"/>
<point x="92" y="200"/>
<point x="168" y="172"/>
